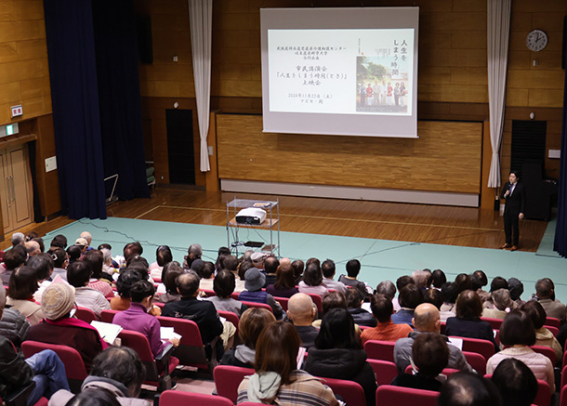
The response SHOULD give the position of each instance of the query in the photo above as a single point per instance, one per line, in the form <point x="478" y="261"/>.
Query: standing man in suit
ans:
<point x="515" y="197"/>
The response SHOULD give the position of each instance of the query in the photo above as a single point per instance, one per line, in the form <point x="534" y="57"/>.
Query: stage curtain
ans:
<point x="498" y="37"/>
<point x="201" y="22"/>
<point x="76" y="118"/>
<point x="560" y="243"/>
<point x="116" y="48"/>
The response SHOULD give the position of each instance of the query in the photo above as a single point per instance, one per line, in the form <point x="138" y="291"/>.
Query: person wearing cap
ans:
<point x="257" y="259"/>
<point x="88" y="238"/>
<point x="84" y="244"/>
<point x="60" y="328"/>
<point x="254" y="281"/>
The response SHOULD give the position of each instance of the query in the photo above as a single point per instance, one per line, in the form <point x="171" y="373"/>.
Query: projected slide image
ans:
<point x="365" y="71"/>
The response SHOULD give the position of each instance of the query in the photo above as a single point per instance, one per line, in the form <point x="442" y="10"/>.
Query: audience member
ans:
<point x="22" y="286"/>
<point x="18" y="239"/>
<point x="382" y="310"/>
<point x="545" y="294"/>
<point x="253" y="293"/>
<point x="468" y="322"/>
<point x="388" y="289"/>
<point x="410" y="298"/>
<point x="94" y="397"/>
<point x="78" y="275"/>
<point x="502" y="304"/>
<point x="544" y="337"/>
<point x="88" y="238"/>
<point x="450" y="292"/>
<point x="168" y="286"/>
<point x="60" y="328"/>
<point x="116" y="369"/>
<point x="338" y="353"/>
<point x="250" y="326"/>
<point x="42" y="264"/>
<point x="223" y="286"/>
<point x="131" y="250"/>
<point x="123" y="285"/>
<point x="329" y="270"/>
<point x="463" y="281"/>
<point x="313" y="281"/>
<point x="109" y="267"/>
<point x="60" y="262"/>
<point x="517" y="334"/>
<point x="257" y="259"/>
<point x="285" y="282"/>
<point x="516" y="289"/>
<point x="207" y="275"/>
<point x="82" y="244"/>
<point x="95" y="259"/>
<point x="361" y="316"/>
<point x="301" y="311"/>
<point x="426" y="320"/>
<point x="137" y="319"/>
<point x="350" y="279"/>
<point x="430" y="354"/>
<point x="298" y="267"/>
<point x="400" y="283"/>
<point x="420" y="278"/>
<point x="74" y="253"/>
<point x="14" y="325"/>
<point x="467" y="389"/>
<point x="277" y="379"/>
<point x="478" y="281"/>
<point x="271" y="264"/>
<point x="195" y="251"/>
<point x="13" y="260"/>
<point x="437" y="279"/>
<point x="163" y="257"/>
<point x="516" y="383"/>
<point x="33" y="248"/>
<point x="59" y="241"/>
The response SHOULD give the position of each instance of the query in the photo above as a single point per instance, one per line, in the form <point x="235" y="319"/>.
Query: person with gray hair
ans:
<point x="44" y="368"/>
<point x="516" y="288"/>
<point x="387" y="288"/>
<point x="18" y="238"/>
<point x="195" y="251"/>
<point x="502" y="305"/>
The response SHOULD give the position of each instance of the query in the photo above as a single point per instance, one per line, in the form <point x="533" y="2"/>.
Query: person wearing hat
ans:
<point x="83" y="243"/>
<point x="257" y="259"/>
<point x="254" y="282"/>
<point x="60" y="328"/>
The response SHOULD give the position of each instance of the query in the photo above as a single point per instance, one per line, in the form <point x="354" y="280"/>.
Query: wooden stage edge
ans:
<point x="460" y="226"/>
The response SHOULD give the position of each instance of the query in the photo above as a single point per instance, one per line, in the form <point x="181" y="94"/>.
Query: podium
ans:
<point x="271" y="226"/>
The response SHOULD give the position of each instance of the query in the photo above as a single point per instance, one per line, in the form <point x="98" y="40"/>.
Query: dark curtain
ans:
<point x="119" y="96"/>
<point x="560" y="244"/>
<point x="76" y="117"/>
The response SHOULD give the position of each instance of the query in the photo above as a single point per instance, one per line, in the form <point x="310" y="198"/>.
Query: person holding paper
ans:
<point x="515" y="198"/>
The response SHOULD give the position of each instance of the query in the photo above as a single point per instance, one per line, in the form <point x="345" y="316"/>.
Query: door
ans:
<point x="15" y="188"/>
<point x="180" y="146"/>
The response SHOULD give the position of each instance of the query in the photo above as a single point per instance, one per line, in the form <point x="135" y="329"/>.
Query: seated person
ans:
<point x="253" y="293"/>
<point x="230" y="263"/>
<point x="497" y="283"/>
<point x="14" y="326"/>
<point x="271" y="264"/>
<point x="223" y="286"/>
<point x="42" y="264"/>
<point x="410" y="298"/>
<point x="430" y="355"/>
<point x="168" y="288"/>
<point x="426" y="320"/>
<point x="74" y="253"/>
<point x="137" y="319"/>
<point x="60" y="262"/>
<point x="276" y="379"/>
<point x="284" y="286"/>
<point x="22" y="286"/>
<point x="207" y="275"/>
<point x="385" y="330"/>
<point x="329" y="269"/>
<point x="59" y="328"/>
<point x="201" y="312"/>
<point x="163" y="257"/>
<point x="250" y="326"/>
<point x="468" y="389"/>
<point x="502" y="304"/>
<point x="545" y="295"/>
<point x="78" y="275"/>
<point x="435" y="297"/>
<point x="313" y="281"/>
<point x="298" y="267"/>
<point x="338" y="354"/>
<point x="301" y="311"/>
<point x="123" y="285"/>
<point x="516" y="288"/>
<point x="468" y="322"/>
<point x="543" y="335"/>
<point x="13" y="260"/>
<point x="516" y="383"/>
<point x="116" y="369"/>
<point x="361" y="316"/>
<point x="350" y="279"/>
<point x="95" y="259"/>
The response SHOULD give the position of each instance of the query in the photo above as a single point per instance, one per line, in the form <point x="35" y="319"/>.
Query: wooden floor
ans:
<point x="390" y="221"/>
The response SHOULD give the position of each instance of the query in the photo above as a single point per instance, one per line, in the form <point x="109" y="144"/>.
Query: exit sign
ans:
<point x="17" y="111"/>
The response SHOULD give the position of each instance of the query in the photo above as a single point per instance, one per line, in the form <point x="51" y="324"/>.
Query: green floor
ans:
<point x="381" y="259"/>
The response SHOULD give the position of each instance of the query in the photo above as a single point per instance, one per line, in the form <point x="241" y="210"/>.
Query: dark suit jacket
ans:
<point x="517" y="202"/>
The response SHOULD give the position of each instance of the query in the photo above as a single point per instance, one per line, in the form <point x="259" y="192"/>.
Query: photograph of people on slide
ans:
<point x="382" y="87"/>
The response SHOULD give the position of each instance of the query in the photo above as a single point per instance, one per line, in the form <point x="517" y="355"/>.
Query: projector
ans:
<point x="251" y="215"/>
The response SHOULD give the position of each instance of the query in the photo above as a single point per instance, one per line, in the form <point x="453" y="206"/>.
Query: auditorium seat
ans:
<point x="547" y="351"/>
<point x="227" y="379"/>
<point x="494" y="323"/>
<point x="108" y="315"/>
<point x="476" y="361"/>
<point x="258" y="305"/>
<point x="388" y="395"/>
<point x="232" y="317"/>
<point x="482" y="347"/>
<point x="85" y="314"/>
<point x="176" y="398"/>
<point x="383" y="350"/>
<point x="385" y="371"/>
<point x="351" y="392"/>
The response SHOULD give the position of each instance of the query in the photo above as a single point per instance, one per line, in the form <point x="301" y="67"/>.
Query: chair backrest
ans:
<point x="139" y="343"/>
<point x="232" y="317"/>
<point x="388" y="395"/>
<point x="74" y="366"/>
<point x="482" y="347"/>
<point x="477" y="361"/>
<point x="259" y="305"/>
<point x="443" y="327"/>
<point x="108" y="315"/>
<point x="282" y="301"/>
<point x="317" y="301"/>
<point x="547" y="351"/>
<point x="552" y="321"/>
<point x="563" y="396"/>
<point x="351" y="392"/>
<point x="383" y="350"/>
<point x="85" y="314"/>
<point x="175" y="398"/>
<point x="446" y="371"/>
<point x="554" y="330"/>
<point x="563" y="378"/>
<point x="385" y="371"/>
<point x="494" y="323"/>
<point x="190" y="351"/>
<point x="227" y="379"/>
<point x="208" y="292"/>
